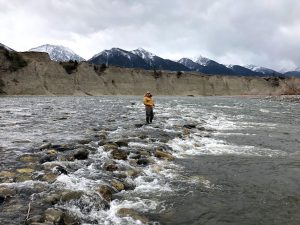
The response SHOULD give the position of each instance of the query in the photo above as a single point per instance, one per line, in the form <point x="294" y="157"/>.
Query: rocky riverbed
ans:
<point x="91" y="160"/>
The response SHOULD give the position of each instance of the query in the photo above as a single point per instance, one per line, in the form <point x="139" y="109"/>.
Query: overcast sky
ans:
<point x="261" y="32"/>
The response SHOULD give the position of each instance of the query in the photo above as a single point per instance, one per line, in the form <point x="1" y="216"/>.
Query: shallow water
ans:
<point x="240" y="165"/>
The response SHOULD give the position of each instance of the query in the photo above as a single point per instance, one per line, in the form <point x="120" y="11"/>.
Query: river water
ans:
<point x="238" y="161"/>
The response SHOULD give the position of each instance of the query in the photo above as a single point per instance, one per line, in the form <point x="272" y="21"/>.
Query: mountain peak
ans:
<point x="58" y="52"/>
<point x="144" y="54"/>
<point x="202" y="60"/>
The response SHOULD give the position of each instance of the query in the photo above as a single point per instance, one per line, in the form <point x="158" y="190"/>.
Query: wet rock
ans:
<point x="110" y="146"/>
<point x="105" y="192"/>
<point x="164" y="155"/>
<point x="45" y="146"/>
<point x="54" y="215"/>
<point x="52" y="152"/>
<point x="25" y="170"/>
<point x="143" y="161"/>
<point x="144" y="153"/>
<point x="118" y="185"/>
<point x="126" y="212"/>
<point x="138" y="125"/>
<point x="64" y="147"/>
<point x="44" y="223"/>
<point x="61" y="170"/>
<point x="110" y="167"/>
<point x="52" y="198"/>
<point x="133" y="173"/>
<point x="48" y="158"/>
<point x="70" y="219"/>
<point x="119" y="154"/>
<point x="37" y="219"/>
<point x="81" y="154"/>
<point x="7" y="191"/>
<point x="50" y="177"/>
<point x="22" y="178"/>
<point x="134" y="156"/>
<point x="29" y="158"/>
<point x="186" y="131"/>
<point x="121" y="143"/>
<point x="7" y="176"/>
<point x="189" y="126"/>
<point x="67" y="196"/>
<point x="83" y="142"/>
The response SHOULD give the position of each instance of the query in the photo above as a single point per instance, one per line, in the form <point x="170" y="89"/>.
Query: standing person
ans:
<point x="149" y="104"/>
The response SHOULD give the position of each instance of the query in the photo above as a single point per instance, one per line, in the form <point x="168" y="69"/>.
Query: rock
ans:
<point x="7" y="174"/>
<point x="48" y="158"/>
<point x="52" y="152"/>
<point x="118" y="185"/>
<point x="83" y="142"/>
<point x="186" y="131"/>
<point x="105" y="193"/>
<point x="25" y="170"/>
<point x="121" y="143"/>
<point x="53" y="215"/>
<point x="81" y="154"/>
<point x="110" y="167"/>
<point x="29" y="158"/>
<point x="110" y="146"/>
<point x="61" y="170"/>
<point x="49" y="177"/>
<point x="45" y="146"/>
<point x="138" y="125"/>
<point x="70" y="219"/>
<point x="133" y="173"/>
<point x="144" y="152"/>
<point x="7" y="191"/>
<point x="165" y="155"/>
<point x="67" y="196"/>
<point x="44" y="223"/>
<point x="52" y="198"/>
<point x="143" y="161"/>
<point x="63" y="147"/>
<point x="119" y="154"/>
<point x="126" y="212"/>
<point x="23" y="177"/>
<point x="35" y="219"/>
<point x="189" y="126"/>
<point x="134" y="156"/>
<point x="2" y="199"/>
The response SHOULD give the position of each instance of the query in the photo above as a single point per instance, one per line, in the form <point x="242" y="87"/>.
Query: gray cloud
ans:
<point x="262" y="32"/>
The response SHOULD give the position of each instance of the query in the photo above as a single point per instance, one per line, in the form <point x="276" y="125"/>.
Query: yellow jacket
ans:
<point x="148" y="101"/>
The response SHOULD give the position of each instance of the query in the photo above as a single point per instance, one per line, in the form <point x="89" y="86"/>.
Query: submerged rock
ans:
<point x="54" y="215"/>
<point x="118" y="185"/>
<point x="164" y="155"/>
<point x="67" y="196"/>
<point x="126" y="212"/>
<point x="48" y="158"/>
<point x="110" y="167"/>
<point x="110" y="146"/>
<point x="81" y="154"/>
<point x="189" y="126"/>
<point x="105" y="192"/>
<point x="119" y="154"/>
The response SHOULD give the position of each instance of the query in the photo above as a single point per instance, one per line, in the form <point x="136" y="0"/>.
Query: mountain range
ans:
<point x="140" y="58"/>
<point x="58" y="53"/>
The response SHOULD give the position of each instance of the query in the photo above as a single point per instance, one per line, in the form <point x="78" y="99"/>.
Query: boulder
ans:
<point x="164" y="155"/>
<point x="143" y="161"/>
<point x="189" y="126"/>
<point x="105" y="193"/>
<point x="25" y="170"/>
<point x="121" y="143"/>
<point x="110" y="146"/>
<point x="67" y="196"/>
<point x="48" y="158"/>
<point x="119" y="154"/>
<point x="54" y="215"/>
<point x="126" y="212"/>
<point x="118" y="185"/>
<point x="81" y="154"/>
<point x="70" y="219"/>
<point x="110" y="167"/>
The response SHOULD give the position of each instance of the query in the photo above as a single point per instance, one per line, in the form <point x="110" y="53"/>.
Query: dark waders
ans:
<point x="149" y="114"/>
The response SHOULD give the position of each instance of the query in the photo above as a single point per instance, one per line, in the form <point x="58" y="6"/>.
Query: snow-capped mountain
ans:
<point x="207" y="66"/>
<point x="7" y="48"/>
<point x="139" y="58"/>
<point x="58" y="53"/>
<point x="147" y="56"/>
<point x="119" y="57"/>
<point x="262" y="70"/>
<point x="202" y="60"/>
<point x="240" y="70"/>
